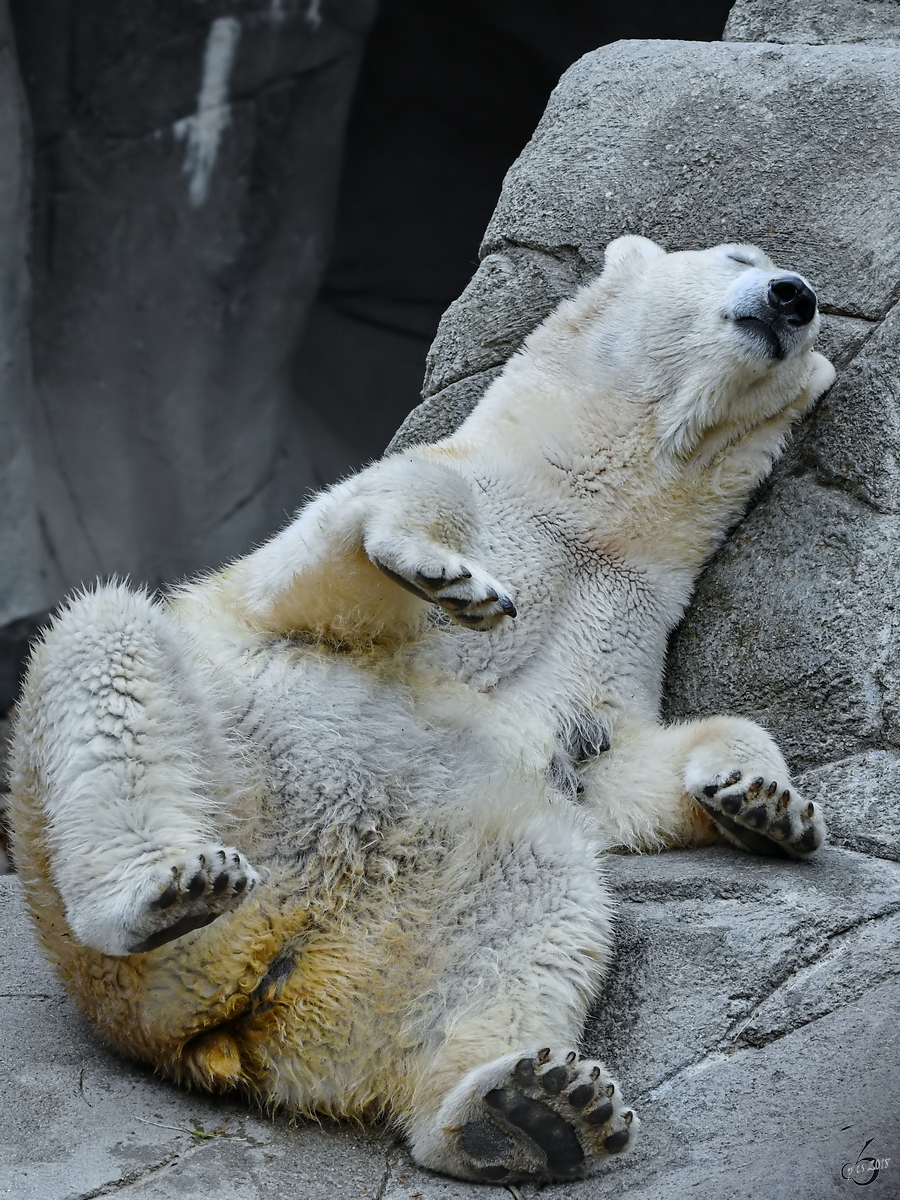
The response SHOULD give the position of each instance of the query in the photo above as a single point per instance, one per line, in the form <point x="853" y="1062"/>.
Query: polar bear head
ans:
<point x="689" y="341"/>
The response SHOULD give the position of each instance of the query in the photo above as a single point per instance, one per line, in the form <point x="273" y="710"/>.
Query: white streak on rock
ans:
<point x="203" y="131"/>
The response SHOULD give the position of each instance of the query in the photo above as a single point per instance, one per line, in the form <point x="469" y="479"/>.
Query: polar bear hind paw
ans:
<point x="548" y="1120"/>
<point x="465" y="591"/>
<point x="762" y="814"/>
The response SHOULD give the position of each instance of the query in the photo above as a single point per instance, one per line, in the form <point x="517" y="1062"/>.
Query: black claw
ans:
<point x="168" y="898"/>
<point x="755" y="785"/>
<point x="610" y="1089"/>
<point x="220" y="883"/>
<point x="600" y="1115"/>
<point x="595" y="1072"/>
<point x="734" y="777"/>
<point x="197" y="886"/>
<point x="617" y="1141"/>
<point x="710" y="789"/>
<point x="570" y="1057"/>
<point x="464" y="573"/>
<point x="222" y="854"/>
<point x="239" y="884"/>
<point x="555" y="1080"/>
<point x="771" y="789"/>
<point x="508" y="607"/>
<point x="543" y="1055"/>
<point x="581" y="1095"/>
<point x="628" y="1117"/>
<point x="785" y="798"/>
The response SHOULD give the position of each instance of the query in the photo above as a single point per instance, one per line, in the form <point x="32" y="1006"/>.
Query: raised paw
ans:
<point x="191" y="891"/>
<point x="465" y="591"/>
<point x="168" y="895"/>
<point x="761" y="813"/>
<point x="550" y="1118"/>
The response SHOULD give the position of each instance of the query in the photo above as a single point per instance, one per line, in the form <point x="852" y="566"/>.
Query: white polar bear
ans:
<point x="324" y="827"/>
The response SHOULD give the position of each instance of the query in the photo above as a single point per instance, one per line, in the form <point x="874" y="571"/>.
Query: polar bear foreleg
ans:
<point x="360" y="563"/>
<point x="694" y="782"/>
<point x="502" y="1093"/>
<point x="119" y="746"/>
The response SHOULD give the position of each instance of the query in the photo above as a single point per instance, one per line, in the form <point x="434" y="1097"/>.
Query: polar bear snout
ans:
<point x="792" y="298"/>
<point x="773" y="312"/>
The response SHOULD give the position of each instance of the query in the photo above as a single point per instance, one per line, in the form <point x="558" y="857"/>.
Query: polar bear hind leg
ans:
<point x="503" y="1095"/>
<point x="696" y="782"/>
<point x="123" y="755"/>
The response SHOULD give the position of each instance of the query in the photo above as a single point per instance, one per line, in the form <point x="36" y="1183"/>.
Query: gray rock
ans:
<point x="815" y="23"/>
<point x="750" y="1009"/>
<point x="187" y="165"/>
<point x="23" y="588"/>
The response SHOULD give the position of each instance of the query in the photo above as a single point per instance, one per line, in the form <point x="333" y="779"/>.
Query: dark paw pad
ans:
<point x="554" y="1136"/>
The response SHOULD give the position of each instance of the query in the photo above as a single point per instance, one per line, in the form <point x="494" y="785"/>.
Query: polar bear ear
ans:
<point x="629" y="252"/>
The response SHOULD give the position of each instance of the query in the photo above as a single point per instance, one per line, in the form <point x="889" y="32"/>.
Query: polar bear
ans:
<point x="325" y="827"/>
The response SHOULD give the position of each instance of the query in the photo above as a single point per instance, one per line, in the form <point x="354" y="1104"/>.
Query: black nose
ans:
<point x="792" y="298"/>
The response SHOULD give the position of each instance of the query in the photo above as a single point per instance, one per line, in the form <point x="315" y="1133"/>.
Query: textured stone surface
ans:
<point x="186" y="171"/>
<point x="22" y="586"/>
<point x="750" y="1015"/>
<point x="814" y="23"/>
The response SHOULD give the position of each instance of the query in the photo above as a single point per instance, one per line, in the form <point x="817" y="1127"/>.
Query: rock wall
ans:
<point x="22" y="589"/>
<point x="187" y="160"/>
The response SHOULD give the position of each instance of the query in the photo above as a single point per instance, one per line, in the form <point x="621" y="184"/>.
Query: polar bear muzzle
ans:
<point x="774" y="311"/>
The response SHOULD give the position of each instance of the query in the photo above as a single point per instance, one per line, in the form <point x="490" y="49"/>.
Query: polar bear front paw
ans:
<point x="163" y="900"/>
<point x="545" y="1116"/>
<point x="762" y="814"/>
<point x="465" y="591"/>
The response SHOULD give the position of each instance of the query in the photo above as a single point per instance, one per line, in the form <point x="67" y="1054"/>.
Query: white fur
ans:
<point x="587" y="489"/>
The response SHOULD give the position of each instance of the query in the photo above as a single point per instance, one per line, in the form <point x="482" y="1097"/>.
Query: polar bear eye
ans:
<point x="741" y="256"/>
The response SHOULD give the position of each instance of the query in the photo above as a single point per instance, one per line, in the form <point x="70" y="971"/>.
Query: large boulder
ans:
<point x="747" y="1009"/>
<point x="822" y="22"/>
